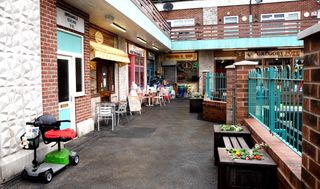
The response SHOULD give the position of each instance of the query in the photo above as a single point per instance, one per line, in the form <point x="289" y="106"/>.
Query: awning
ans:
<point x="107" y="53"/>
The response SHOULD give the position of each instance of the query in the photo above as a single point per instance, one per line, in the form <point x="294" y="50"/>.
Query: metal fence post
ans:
<point x="208" y="84"/>
<point x="271" y="99"/>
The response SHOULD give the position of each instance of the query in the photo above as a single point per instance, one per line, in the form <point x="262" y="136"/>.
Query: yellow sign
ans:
<point x="182" y="56"/>
<point x="98" y="37"/>
<point x="273" y="54"/>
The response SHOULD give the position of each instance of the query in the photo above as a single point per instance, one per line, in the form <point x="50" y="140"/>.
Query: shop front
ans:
<point x="104" y="67"/>
<point x="150" y="68"/>
<point x="138" y="66"/>
<point x="281" y="57"/>
<point x="70" y="64"/>
<point x="182" y="70"/>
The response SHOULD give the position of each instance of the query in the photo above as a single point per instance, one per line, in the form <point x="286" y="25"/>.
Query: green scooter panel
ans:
<point x="58" y="157"/>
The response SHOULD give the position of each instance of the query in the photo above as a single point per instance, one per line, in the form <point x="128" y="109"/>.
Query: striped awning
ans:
<point x="108" y="53"/>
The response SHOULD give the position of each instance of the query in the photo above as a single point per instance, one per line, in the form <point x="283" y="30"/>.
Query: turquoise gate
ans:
<point x="276" y="100"/>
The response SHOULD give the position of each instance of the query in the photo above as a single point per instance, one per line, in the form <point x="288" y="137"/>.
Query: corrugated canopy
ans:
<point x="108" y="53"/>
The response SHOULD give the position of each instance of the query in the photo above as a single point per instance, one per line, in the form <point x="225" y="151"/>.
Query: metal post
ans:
<point x="271" y="99"/>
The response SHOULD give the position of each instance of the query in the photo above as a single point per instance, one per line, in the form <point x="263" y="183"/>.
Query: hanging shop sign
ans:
<point x="69" y="20"/>
<point x="182" y="56"/>
<point x="273" y="54"/>
<point x="151" y="56"/>
<point x="136" y="50"/>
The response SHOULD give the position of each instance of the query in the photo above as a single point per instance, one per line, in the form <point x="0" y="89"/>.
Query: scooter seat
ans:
<point x="64" y="135"/>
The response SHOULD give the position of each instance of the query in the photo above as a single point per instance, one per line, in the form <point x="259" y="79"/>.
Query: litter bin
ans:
<point x="181" y="90"/>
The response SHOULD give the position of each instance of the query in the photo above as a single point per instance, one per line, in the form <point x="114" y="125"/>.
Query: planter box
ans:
<point x="238" y="173"/>
<point x="195" y="105"/>
<point x="218" y="142"/>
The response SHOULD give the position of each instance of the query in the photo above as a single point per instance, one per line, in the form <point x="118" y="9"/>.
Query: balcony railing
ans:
<point x="243" y="30"/>
<point x="148" y="8"/>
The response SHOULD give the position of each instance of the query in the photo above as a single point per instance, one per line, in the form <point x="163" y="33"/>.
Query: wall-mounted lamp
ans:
<point x="109" y="20"/>
<point x="118" y="27"/>
<point x="141" y="40"/>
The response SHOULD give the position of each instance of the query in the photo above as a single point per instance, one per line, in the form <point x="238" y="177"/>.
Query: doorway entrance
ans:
<point x="65" y="96"/>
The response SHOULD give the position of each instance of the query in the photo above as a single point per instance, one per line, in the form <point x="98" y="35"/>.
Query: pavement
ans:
<point x="163" y="148"/>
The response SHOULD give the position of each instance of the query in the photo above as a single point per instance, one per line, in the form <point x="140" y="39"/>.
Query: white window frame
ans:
<point x="73" y="64"/>
<point x="182" y="20"/>
<point x="275" y="19"/>
<point x="226" y="17"/>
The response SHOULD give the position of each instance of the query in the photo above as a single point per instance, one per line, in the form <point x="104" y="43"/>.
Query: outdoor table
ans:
<point x="149" y="97"/>
<point x="239" y="173"/>
<point x="218" y="134"/>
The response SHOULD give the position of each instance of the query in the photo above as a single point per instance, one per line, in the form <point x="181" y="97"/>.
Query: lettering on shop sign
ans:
<point x="69" y="20"/>
<point x="273" y="54"/>
<point x="136" y="50"/>
<point x="182" y="56"/>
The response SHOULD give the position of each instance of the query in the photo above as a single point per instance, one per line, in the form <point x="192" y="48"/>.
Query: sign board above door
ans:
<point x="273" y="54"/>
<point x="69" y="20"/>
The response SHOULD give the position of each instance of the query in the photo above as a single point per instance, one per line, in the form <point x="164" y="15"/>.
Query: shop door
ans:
<point x="170" y="74"/>
<point x="66" y="99"/>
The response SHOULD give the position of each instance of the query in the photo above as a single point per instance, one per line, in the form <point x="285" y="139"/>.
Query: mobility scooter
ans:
<point x="54" y="161"/>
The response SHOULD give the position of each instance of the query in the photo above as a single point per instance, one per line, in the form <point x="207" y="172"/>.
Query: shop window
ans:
<point x="187" y="71"/>
<point x="105" y="77"/>
<point x="93" y="78"/>
<point x="139" y="71"/>
<point x="79" y="75"/>
<point x="63" y="80"/>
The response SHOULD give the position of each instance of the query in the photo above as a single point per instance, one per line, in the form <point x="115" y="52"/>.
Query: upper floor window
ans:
<point x="231" y="19"/>
<point x="280" y="16"/>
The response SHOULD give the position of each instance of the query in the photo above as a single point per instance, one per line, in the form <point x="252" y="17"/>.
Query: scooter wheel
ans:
<point x="47" y="176"/>
<point x="24" y="174"/>
<point x="75" y="160"/>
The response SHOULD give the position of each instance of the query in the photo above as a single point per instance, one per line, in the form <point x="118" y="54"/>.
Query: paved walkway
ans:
<point x="165" y="147"/>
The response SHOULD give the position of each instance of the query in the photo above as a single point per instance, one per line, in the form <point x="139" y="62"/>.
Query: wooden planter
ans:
<point x="218" y="142"/>
<point x="195" y="105"/>
<point x="239" y="173"/>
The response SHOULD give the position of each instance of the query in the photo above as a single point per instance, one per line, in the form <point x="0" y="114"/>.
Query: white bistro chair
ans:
<point x="105" y="112"/>
<point x="122" y="110"/>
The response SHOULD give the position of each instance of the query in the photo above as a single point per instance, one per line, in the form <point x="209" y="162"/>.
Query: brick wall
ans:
<point x="214" y="111"/>
<point x="230" y="76"/>
<point x="83" y="103"/>
<point x="49" y="69"/>
<point x="243" y="10"/>
<point x="197" y="14"/>
<point x="241" y="88"/>
<point x="311" y="116"/>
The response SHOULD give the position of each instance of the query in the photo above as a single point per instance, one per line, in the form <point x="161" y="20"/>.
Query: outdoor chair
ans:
<point x="159" y="98"/>
<point x="122" y="109"/>
<point x="106" y="113"/>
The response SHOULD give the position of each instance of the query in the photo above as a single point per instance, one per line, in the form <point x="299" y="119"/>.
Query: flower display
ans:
<point x="225" y="127"/>
<point x="248" y="154"/>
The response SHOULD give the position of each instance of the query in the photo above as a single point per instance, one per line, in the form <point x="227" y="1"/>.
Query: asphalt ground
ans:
<point x="163" y="148"/>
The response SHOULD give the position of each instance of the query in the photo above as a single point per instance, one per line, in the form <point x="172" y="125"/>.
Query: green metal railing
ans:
<point x="276" y="100"/>
<point x="216" y="86"/>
